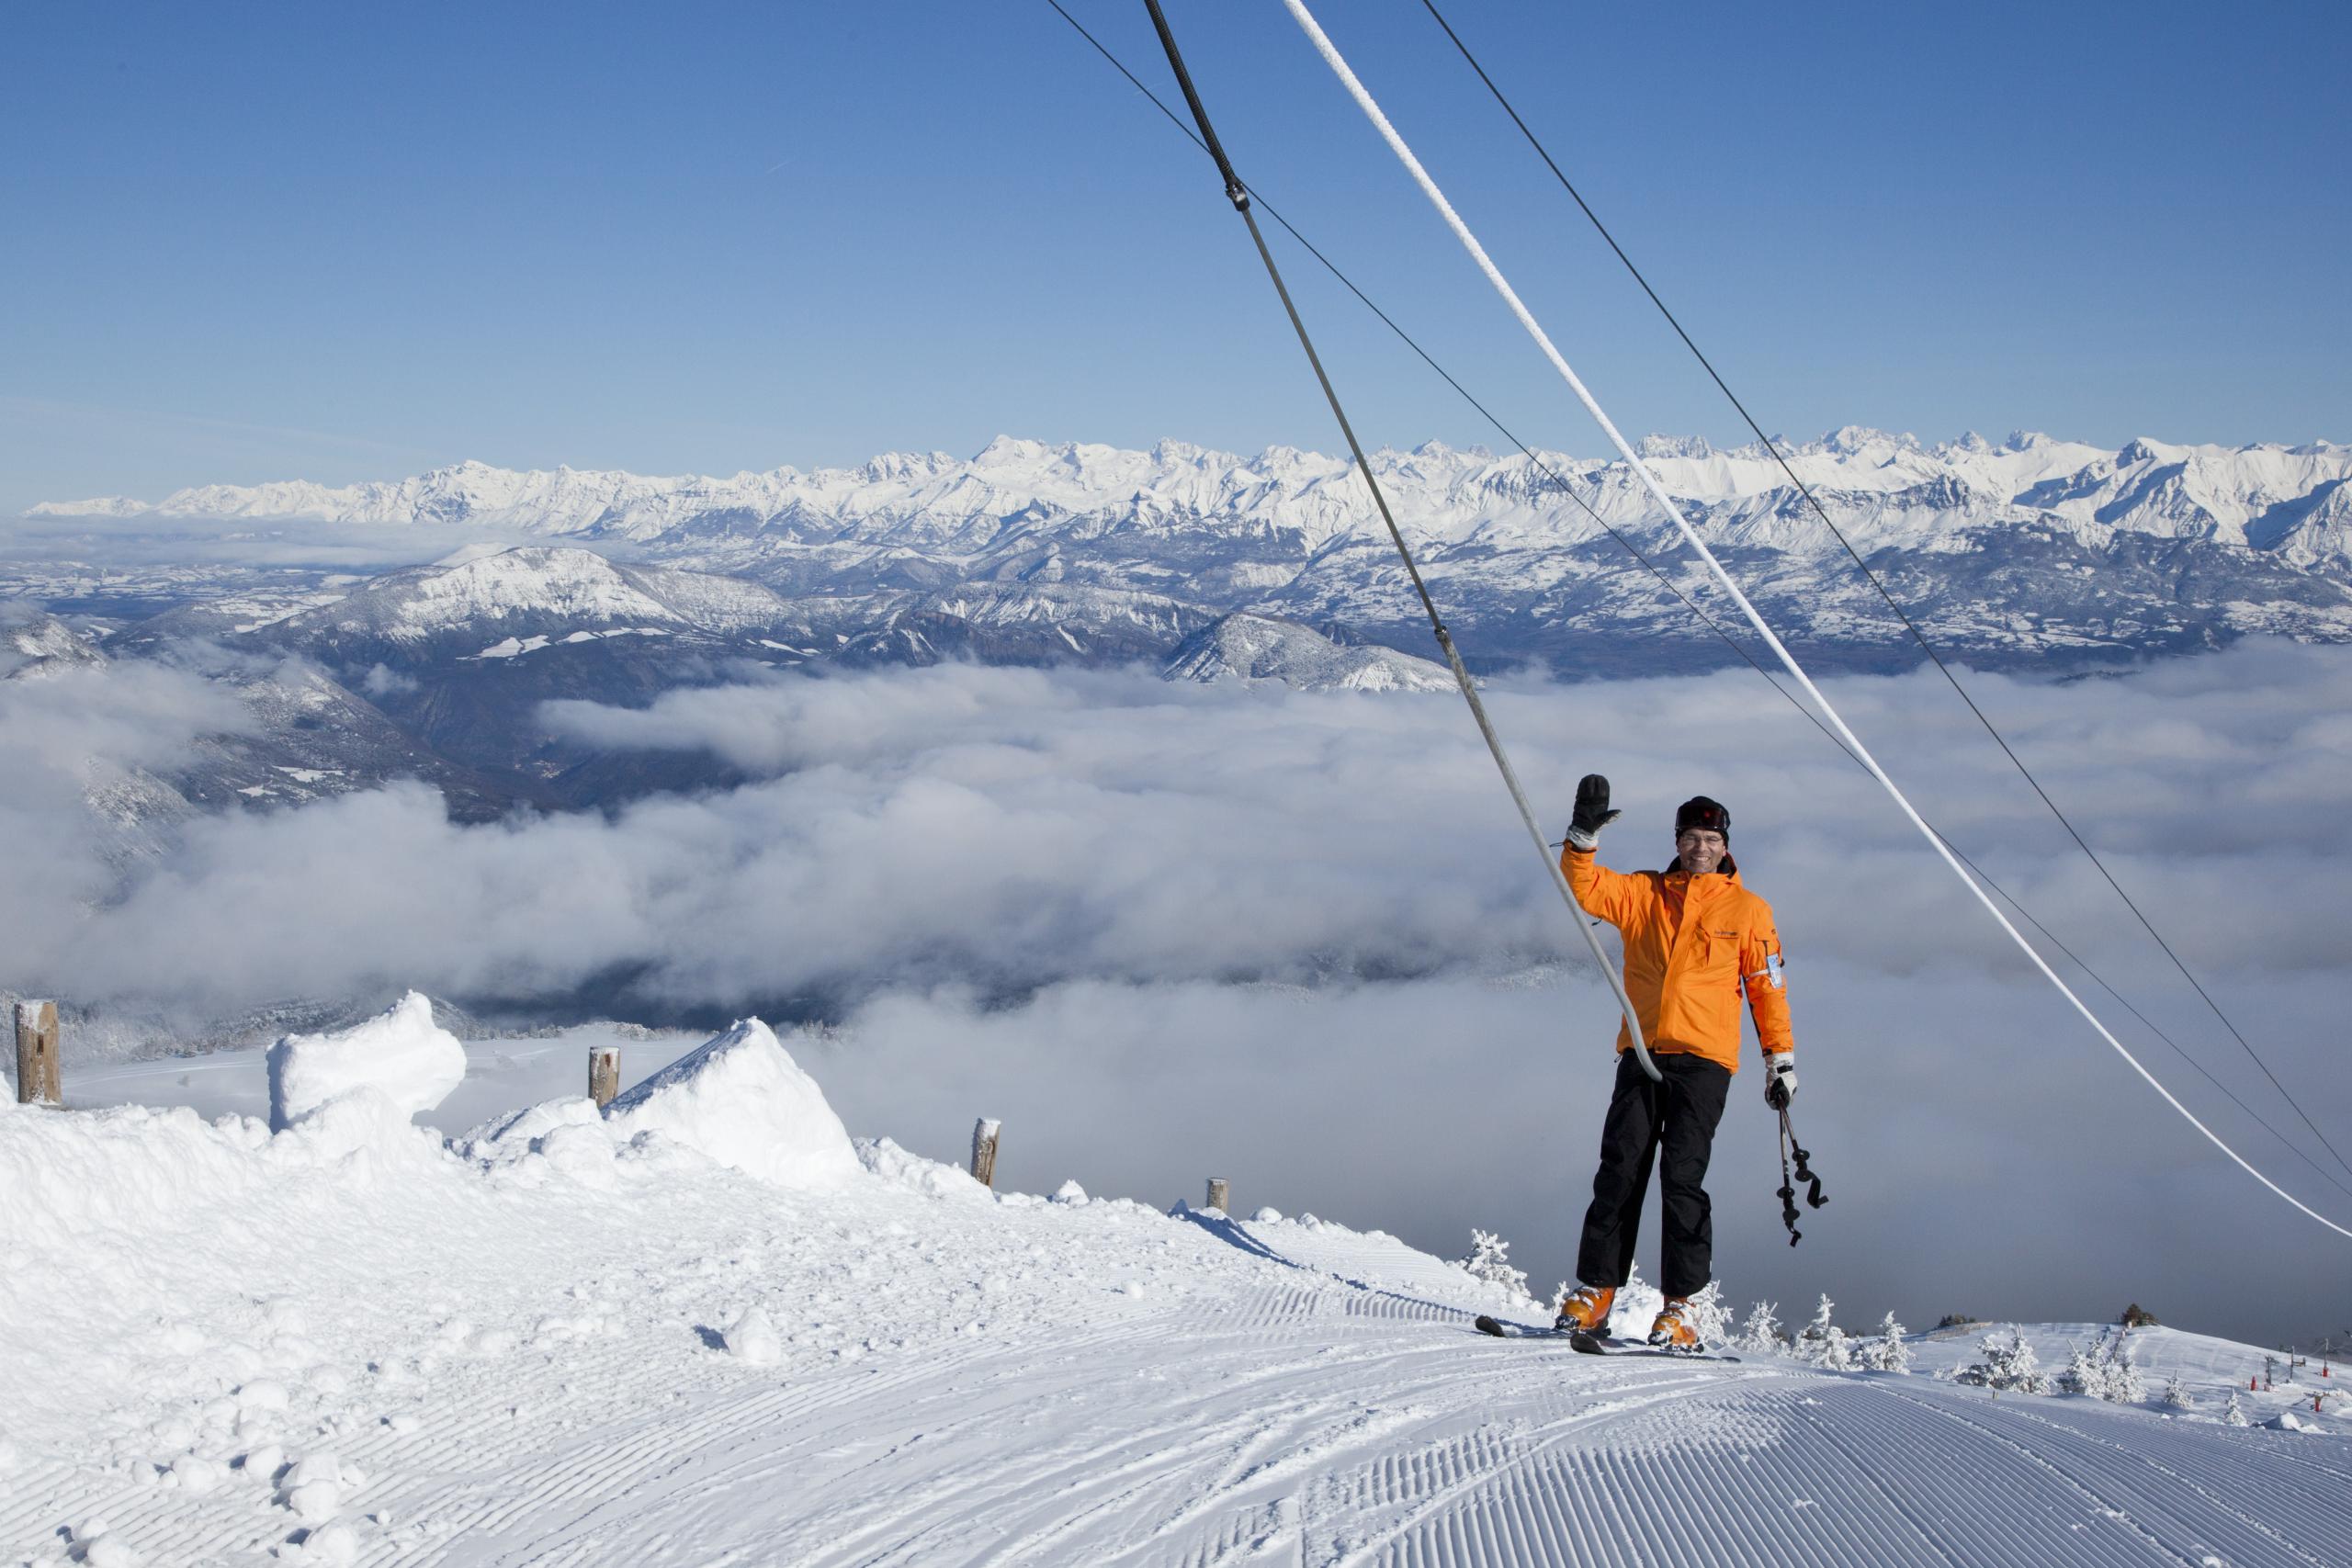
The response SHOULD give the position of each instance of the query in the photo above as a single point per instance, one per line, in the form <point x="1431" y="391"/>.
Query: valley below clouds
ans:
<point x="1298" y="939"/>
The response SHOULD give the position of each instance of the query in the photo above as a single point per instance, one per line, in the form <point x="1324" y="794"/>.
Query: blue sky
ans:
<point x="267" y="242"/>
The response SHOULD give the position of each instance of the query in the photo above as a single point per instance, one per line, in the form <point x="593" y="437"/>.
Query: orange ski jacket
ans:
<point x="1692" y="945"/>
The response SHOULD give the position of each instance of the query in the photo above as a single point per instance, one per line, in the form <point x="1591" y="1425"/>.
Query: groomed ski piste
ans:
<point x="705" y="1326"/>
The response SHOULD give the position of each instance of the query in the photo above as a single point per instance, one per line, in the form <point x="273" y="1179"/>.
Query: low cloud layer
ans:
<point x="1301" y="939"/>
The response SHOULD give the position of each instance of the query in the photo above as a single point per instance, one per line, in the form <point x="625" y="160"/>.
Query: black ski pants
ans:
<point x="1673" y="1122"/>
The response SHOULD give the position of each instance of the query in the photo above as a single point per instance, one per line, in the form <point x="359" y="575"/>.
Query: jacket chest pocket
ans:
<point x="1714" y="956"/>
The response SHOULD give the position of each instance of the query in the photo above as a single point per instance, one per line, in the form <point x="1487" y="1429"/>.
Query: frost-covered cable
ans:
<point x="1649" y="482"/>
<point x="1239" y="194"/>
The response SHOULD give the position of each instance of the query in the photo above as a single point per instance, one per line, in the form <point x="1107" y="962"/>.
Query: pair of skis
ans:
<point x="1586" y="1343"/>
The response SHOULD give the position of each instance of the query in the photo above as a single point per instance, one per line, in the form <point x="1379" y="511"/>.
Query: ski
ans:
<point x="1588" y="1344"/>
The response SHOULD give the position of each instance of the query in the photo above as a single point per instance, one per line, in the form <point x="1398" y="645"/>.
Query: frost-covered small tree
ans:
<point x="1761" y="1333"/>
<point x="2007" y="1364"/>
<point x="1824" y="1343"/>
<point x="1819" y="1327"/>
<point x="2104" y="1370"/>
<point x="2236" y="1415"/>
<point x="1887" y="1353"/>
<point x="1489" y="1261"/>
<point x="1709" y="1317"/>
<point x="2125" y="1384"/>
<point x="2085" y="1373"/>
<point x="2177" y="1394"/>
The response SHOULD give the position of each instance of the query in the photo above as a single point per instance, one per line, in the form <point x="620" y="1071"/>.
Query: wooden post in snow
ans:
<point x="1218" y="1192"/>
<point x="984" y="1134"/>
<point x="603" y="1074"/>
<point x="38" y="1079"/>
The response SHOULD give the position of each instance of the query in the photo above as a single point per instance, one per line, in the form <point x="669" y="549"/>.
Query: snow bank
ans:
<point x="401" y="1053"/>
<point x="901" y="1167"/>
<point x="92" y="1192"/>
<point x="741" y="1100"/>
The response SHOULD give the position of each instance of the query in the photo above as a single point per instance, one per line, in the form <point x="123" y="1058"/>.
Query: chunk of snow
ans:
<point x="263" y="1394"/>
<point x="314" y="1502"/>
<point x="752" y="1339"/>
<point x="1070" y="1192"/>
<point x="197" y="1475"/>
<point x="741" y="1099"/>
<point x="112" y="1552"/>
<point x="401" y="1051"/>
<point x="332" y="1545"/>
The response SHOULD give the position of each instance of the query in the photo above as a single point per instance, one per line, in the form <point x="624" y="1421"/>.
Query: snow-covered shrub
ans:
<point x="1887" y="1353"/>
<point x="1824" y="1343"/>
<point x="2236" y="1415"/>
<point x="2177" y="1394"/>
<point x="2083" y="1374"/>
<point x="1761" y="1332"/>
<point x="1709" y="1317"/>
<point x="1489" y="1261"/>
<point x="2125" y="1383"/>
<point x="2104" y="1370"/>
<point x="2009" y="1364"/>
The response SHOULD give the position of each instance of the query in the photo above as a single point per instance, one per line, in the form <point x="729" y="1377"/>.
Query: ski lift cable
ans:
<point x="1543" y="341"/>
<point x="1558" y="479"/>
<point x="1909" y="625"/>
<point x="1239" y="194"/>
<point x="1561" y="483"/>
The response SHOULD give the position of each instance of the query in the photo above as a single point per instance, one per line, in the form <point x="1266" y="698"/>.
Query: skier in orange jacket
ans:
<point x="1695" y="940"/>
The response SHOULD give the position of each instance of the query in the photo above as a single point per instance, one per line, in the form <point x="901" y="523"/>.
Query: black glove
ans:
<point x="1592" y="812"/>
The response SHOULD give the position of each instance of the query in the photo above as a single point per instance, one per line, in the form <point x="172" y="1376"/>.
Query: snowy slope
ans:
<point x="550" y="1344"/>
<point x="1260" y="647"/>
<point x="33" y="645"/>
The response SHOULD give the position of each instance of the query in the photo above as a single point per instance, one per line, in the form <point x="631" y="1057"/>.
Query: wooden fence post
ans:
<point x="984" y="1134"/>
<point x="38" y="1078"/>
<point x="603" y="1074"/>
<point x="1217" y="1190"/>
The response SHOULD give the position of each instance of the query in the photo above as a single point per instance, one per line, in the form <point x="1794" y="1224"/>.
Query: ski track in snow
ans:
<point x="528" y="1371"/>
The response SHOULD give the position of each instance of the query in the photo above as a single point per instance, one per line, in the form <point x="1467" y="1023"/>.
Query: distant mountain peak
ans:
<point x="1250" y="647"/>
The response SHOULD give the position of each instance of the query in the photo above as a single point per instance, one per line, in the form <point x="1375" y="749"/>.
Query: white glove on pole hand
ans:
<point x="1780" y="1079"/>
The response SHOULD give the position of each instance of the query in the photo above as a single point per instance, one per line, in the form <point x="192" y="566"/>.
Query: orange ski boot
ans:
<point x="1585" y="1310"/>
<point x="1672" y="1331"/>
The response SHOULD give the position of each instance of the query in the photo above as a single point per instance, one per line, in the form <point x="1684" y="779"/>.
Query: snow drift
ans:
<point x="401" y="1053"/>
<point x="741" y="1098"/>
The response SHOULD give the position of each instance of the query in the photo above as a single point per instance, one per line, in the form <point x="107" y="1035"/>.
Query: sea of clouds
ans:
<point x="1299" y="940"/>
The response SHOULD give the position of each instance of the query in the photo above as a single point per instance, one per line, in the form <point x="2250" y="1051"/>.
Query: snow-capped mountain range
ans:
<point x="613" y="587"/>
<point x="2028" y="548"/>
<point x="2288" y="501"/>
